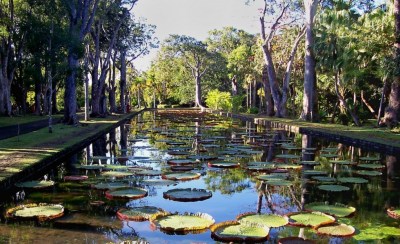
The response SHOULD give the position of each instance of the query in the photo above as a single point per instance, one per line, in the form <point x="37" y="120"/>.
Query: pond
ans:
<point x="194" y="169"/>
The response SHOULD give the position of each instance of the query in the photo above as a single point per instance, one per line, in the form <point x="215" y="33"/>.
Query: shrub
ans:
<point x="237" y="102"/>
<point x="219" y="100"/>
<point x="252" y="110"/>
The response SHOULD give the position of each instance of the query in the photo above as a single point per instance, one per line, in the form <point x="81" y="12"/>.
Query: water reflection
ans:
<point x="149" y="141"/>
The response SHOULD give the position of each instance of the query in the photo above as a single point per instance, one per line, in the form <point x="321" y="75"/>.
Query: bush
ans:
<point x="163" y="106"/>
<point x="237" y="102"/>
<point x="252" y="110"/>
<point x="219" y="100"/>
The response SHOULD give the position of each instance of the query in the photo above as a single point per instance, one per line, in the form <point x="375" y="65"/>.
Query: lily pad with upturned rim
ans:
<point x="182" y="223"/>
<point x="187" y="194"/>
<point x="294" y="240"/>
<point x="109" y="185"/>
<point x="310" y="219"/>
<point x="181" y="162"/>
<point x="268" y="220"/>
<point x="36" y="184"/>
<point x="341" y="162"/>
<point x="337" y="210"/>
<point x="41" y="211"/>
<point x="324" y="179"/>
<point x="90" y="167"/>
<point x="355" y="180"/>
<point x="369" y="159"/>
<point x="158" y="182"/>
<point x="311" y="163"/>
<point x="371" y="166"/>
<point x="368" y="173"/>
<point x="138" y="213"/>
<point x="181" y="176"/>
<point x="314" y="172"/>
<point x="223" y="164"/>
<point x="75" y="177"/>
<point x="335" y="188"/>
<point x="117" y="174"/>
<point x="393" y="213"/>
<point x="126" y="192"/>
<point x="148" y="172"/>
<point x="233" y="231"/>
<point x="338" y="230"/>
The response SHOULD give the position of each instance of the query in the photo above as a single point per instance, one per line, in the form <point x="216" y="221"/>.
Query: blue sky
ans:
<point x="194" y="18"/>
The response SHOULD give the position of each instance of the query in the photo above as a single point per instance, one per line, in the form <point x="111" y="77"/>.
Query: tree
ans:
<point x="195" y="58"/>
<point x="81" y="15"/>
<point x="279" y="11"/>
<point x="310" y="80"/>
<point x="392" y="111"/>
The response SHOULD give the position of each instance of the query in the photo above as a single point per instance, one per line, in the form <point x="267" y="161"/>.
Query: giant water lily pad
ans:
<point x="324" y="179"/>
<point x="311" y="163"/>
<point x="126" y="192"/>
<point x="338" y="230"/>
<point x="90" y="167"/>
<point x="368" y="172"/>
<point x="223" y="164"/>
<point x="310" y="219"/>
<point x="233" y="231"/>
<point x="329" y="156"/>
<point x="341" y="162"/>
<point x="288" y="166"/>
<point x="393" y="213"/>
<point x="37" y="184"/>
<point x="41" y="211"/>
<point x="116" y="167"/>
<point x="369" y="158"/>
<point x="288" y="156"/>
<point x="355" y="180"/>
<point x="148" y="172"/>
<point x="314" y="172"/>
<point x="181" y="176"/>
<point x="75" y="177"/>
<point x="187" y="194"/>
<point x="260" y="167"/>
<point x="338" y="210"/>
<point x="181" y="162"/>
<point x="268" y="220"/>
<point x="158" y="182"/>
<point x="117" y="174"/>
<point x="109" y="185"/>
<point x="138" y="213"/>
<point x="333" y="188"/>
<point x="188" y="222"/>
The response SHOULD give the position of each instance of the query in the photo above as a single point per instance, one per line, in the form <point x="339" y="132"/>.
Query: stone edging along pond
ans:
<point x="48" y="161"/>
<point x="348" y="137"/>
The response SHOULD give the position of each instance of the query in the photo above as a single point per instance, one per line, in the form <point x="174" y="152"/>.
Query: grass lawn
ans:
<point x="7" y="121"/>
<point x="18" y="153"/>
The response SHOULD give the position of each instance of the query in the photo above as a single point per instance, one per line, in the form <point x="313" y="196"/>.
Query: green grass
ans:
<point x="21" y="152"/>
<point x="7" y="121"/>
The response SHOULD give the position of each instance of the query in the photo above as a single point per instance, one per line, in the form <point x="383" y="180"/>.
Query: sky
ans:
<point x="194" y="18"/>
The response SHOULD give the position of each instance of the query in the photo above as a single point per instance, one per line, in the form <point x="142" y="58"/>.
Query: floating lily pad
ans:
<point x="310" y="219"/>
<point x="75" y="177"/>
<point x="311" y="163"/>
<point x="268" y="220"/>
<point x="182" y="223"/>
<point x="371" y="166"/>
<point x="324" y="178"/>
<point x="181" y="176"/>
<point x="158" y="182"/>
<point x="271" y="176"/>
<point x="329" y="149"/>
<point x="126" y="192"/>
<point x="338" y="230"/>
<point x="288" y="156"/>
<point x="148" y="172"/>
<point x="335" y="188"/>
<point x="368" y="172"/>
<point x="369" y="158"/>
<point x="223" y="164"/>
<point x="187" y="195"/>
<point x="202" y="157"/>
<point x="109" y="185"/>
<point x="116" y="167"/>
<point x="314" y="172"/>
<point x="178" y="153"/>
<point x="181" y="168"/>
<point x="138" y="213"/>
<point x="233" y="231"/>
<point x="181" y="162"/>
<point x="260" y="167"/>
<point x="117" y="174"/>
<point x="356" y="180"/>
<point x="41" y="211"/>
<point x="338" y="210"/>
<point x="393" y="213"/>
<point x="35" y="184"/>
<point x="288" y="166"/>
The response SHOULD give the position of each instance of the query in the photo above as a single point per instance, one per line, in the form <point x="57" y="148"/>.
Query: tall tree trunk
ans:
<point x="38" y="88"/>
<point x="70" y="89"/>
<point x="369" y="106"/>
<point x="378" y="121"/>
<point x="198" y="90"/>
<point x="309" y="97"/>
<point x="234" y="86"/>
<point x="122" y="81"/>
<point x="393" y="108"/>
<point x="81" y="14"/>
<point x="111" y="91"/>
<point x="269" y="104"/>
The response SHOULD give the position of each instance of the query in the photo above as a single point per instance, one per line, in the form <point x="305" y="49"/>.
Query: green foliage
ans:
<point x="237" y="103"/>
<point x="219" y="100"/>
<point x="252" y="110"/>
